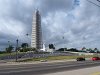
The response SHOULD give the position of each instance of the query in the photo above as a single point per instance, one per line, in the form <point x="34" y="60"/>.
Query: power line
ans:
<point x="94" y="3"/>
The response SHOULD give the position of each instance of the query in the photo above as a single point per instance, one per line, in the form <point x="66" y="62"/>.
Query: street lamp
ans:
<point x="8" y="43"/>
<point x="16" y="49"/>
<point x="64" y="43"/>
<point x="27" y="39"/>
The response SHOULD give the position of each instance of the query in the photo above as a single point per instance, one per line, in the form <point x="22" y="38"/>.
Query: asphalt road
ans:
<point x="83" y="71"/>
<point x="45" y="68"/>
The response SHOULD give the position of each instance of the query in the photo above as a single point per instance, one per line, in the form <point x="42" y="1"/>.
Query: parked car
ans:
<point x="80" y="59"/>
<point x="95" y="58"/>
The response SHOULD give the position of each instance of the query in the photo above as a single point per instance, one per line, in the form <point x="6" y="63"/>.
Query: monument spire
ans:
<point x="36" y="41"/>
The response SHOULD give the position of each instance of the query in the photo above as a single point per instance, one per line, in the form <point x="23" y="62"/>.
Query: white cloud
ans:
<point x="80" y="26"/>
<point x="11" y="27"/>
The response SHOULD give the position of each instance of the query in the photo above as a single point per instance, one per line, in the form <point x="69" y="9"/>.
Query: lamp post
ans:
<point x="8" y="43"/>
<point x="64" y="43"/>
<point x="27" y="36"/>
<point x="16" y="49"/>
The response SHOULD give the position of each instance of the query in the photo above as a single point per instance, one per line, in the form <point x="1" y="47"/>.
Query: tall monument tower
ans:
<point x="36" y="40"/>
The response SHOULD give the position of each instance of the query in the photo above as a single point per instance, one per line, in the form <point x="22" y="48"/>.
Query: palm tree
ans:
<point x="9" y="49"/>
<point x="24" y="47"/>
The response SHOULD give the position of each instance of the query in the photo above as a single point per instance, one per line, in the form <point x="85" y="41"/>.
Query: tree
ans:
<point x="9" y="49"/>
<point x="51" y="46"/>
<point x="33" y="49"/>
<point x="73" y="50"/>
<point x="83" y="48"/>
<point x="96" y="50"/>
<point x="61" y="49"/>
<point x="24" y="45"/>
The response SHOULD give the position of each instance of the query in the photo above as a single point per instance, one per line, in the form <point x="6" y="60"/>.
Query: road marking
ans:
<point x="96" y="73"/>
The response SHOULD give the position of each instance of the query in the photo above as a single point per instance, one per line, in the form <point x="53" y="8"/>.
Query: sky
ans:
<point x="65" y="23"/>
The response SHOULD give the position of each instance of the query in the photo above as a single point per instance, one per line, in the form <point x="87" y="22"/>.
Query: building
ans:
<point x="36" y="40"/>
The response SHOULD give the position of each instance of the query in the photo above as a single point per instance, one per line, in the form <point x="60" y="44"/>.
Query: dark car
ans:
<point x="95" y="58"/>
<point x="80" y="59"/>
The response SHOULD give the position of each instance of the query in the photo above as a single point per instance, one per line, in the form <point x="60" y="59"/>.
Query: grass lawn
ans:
<point x="14" y="53"/>
<point x="49" y="58"/>
<point x="54" y="58"/>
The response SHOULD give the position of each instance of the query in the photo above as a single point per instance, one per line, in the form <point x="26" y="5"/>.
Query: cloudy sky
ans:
<point x="78" y="21"/>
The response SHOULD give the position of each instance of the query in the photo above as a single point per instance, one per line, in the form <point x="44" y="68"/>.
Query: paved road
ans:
<point x="45" y="68"/>
<point x="84" y="71"/>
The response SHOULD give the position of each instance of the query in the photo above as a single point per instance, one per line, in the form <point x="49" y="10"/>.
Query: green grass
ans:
<point x="13" y="53"/>
<point x="54" y="58"/>
<point x="47" y="58"/>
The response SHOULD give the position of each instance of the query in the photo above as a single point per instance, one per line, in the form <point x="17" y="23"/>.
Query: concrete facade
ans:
<point x="36" y="40"/>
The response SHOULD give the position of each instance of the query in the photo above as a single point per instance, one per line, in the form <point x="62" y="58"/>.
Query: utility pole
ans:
<point x="16" y="50"/>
